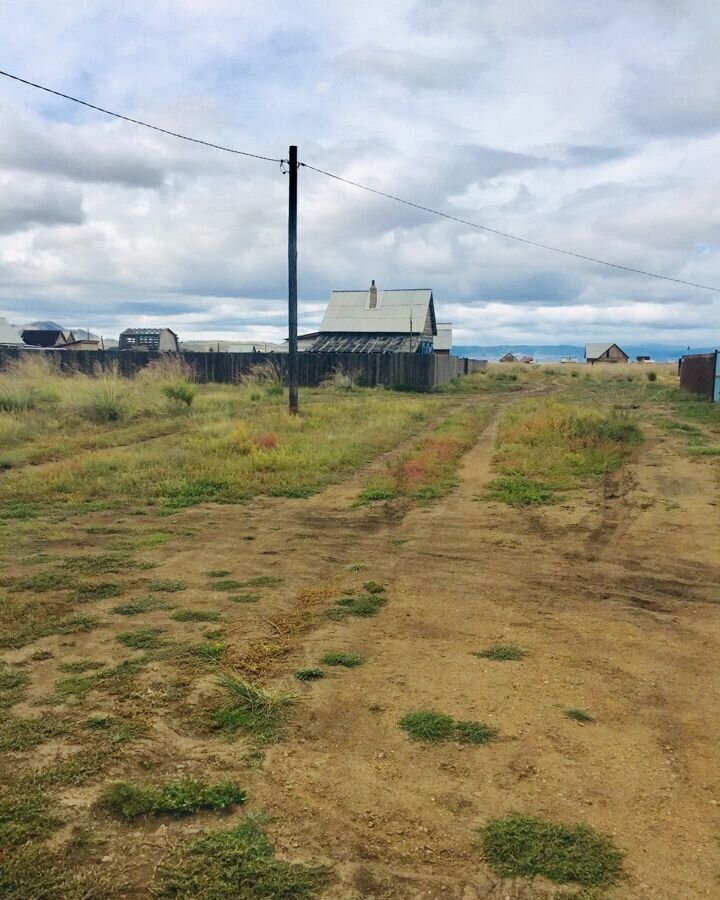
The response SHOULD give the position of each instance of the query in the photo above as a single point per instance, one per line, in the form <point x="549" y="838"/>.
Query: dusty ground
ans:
<point x="614" y="595"/>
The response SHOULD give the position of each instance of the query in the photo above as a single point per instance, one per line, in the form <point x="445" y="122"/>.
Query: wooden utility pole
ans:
<point x="292" y="281"/>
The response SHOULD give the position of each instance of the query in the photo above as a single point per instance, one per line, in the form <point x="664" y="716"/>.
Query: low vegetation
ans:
<point x="429" y="470"/>
<point x="548" y="446"/>
<point x="237" y="864"/>
<point x="579" y="715"/>
<point x="309" y="674"/>
<point x="346" y="660"/>
<point x="259" y="711"/>
<point x="524" y="846"/>
<point x="432" y="727"/>
<point x="502" y="653"/>
<point x="130" y="801"/>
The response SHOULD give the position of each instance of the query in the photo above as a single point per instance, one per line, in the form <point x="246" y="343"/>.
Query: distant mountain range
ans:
<point x="555" y="352"/>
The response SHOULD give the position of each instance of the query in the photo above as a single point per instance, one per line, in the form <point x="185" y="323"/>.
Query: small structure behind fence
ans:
<point x="699" y="374"/>
<point x="405" y="371"/>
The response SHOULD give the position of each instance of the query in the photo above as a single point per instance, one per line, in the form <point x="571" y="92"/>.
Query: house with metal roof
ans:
<point x="9" y="336"/>
<point x="605" y="353"/>
<point x="372" y="321"/>
<point x="157" y="339"/>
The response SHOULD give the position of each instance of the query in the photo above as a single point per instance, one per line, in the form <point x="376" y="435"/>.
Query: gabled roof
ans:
<point x="349" y="311"/>
<point x="594" y="351"/>
<point x="9" y="334"/>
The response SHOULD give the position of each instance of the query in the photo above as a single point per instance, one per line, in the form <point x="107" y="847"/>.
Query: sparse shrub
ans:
<point x="105" y="397"/>
<point x="519" y="490"/>
<point x="181" y="393"/>
<point x="340" y="379"/>
<point x="347" y="660"/>
<point x="523" y="846"/>
<point x="218" y="573"/>
<point x="651" y="376"/>
<point x="474" y="732"/>
<point x="374" y="587"/>
<point x="363" y="607"/>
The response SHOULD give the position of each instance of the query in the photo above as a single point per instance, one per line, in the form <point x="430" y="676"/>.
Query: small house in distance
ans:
<point x="509" y="358"/>
<point x="392" y="321"/>
<point x="155" y="339"/>
<point x="605" y="353"/>
<point x="46" y="334"/>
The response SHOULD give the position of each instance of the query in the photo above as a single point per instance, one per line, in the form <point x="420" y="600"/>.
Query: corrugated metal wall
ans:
<point x="697" y="374"/>
<point x="409" y="371"/>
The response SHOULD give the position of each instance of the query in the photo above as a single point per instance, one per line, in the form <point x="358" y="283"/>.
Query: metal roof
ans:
<point x="349" y="311"/>
<point x="146" y="331"/>
<point x="8" y="334"/>
<point x="593" y="351"/>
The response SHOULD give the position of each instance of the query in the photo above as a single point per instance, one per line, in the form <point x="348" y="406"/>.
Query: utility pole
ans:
<point x="292" y="281"/>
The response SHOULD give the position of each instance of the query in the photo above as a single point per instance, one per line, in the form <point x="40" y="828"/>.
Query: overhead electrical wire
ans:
<point x="507" y="234"/>
<point x="108" y="112"/>
<point x="363" y="187"/>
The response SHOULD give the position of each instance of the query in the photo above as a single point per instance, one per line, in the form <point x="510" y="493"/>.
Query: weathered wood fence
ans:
<point x="699" y="374"/>
<point x="405" y="371"/>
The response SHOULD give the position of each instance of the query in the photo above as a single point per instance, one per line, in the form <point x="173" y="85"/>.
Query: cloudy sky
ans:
<point x="592" y="126"/>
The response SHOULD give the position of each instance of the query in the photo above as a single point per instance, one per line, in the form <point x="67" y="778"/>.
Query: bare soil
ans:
<point x="615" y="597"/>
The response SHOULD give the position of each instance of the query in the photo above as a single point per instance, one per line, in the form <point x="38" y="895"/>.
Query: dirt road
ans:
<point x="614" y="596"/>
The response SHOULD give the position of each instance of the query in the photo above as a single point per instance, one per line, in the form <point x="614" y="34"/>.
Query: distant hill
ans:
<point x="555" y="352"/>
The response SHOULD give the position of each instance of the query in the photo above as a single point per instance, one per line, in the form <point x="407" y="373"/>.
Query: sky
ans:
<point x="590" y="126"/>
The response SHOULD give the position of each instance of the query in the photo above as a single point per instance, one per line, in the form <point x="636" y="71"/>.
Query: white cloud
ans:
<point x="592" y="127"/>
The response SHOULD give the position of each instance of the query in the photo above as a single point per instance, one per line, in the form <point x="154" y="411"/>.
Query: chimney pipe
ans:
<point x="373" y="295"/>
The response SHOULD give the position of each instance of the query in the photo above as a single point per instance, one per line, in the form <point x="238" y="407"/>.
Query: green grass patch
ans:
<point x="140" y="606"/>
<point x="263" y="581"/>
<point x="433" y="727"/>
<point x="374" y="587"/>
<point x="346" y="660"/>
<point x="258" y="711"/>
<point x="229" y="584"/>
<point x="32" y="631"/>
<point x="523" y="846"/>
<point x="243" y="598"/>
<point x="25" y="815"/>
<point x="309" y="674"/>
<point x="518" y="490"/>
<point x="129" y="801"/>
<point x="237" y="864"/>
<point x="78" y="686"/>
<point x="12" y="686"/>
<point x="502" y="653"/>
<point x="18" y="734"/>
<point x="166" y="586"/>
<point x="579" y="715"/>
<point x="362" y="607"/>
<point x="195" y="615"/>
<point x="81" y="666"/>
<point x="144" y="639"/>
<point x="218" y="573"/>
<point x="103" y="590"/>
<point x="101" y="564"/>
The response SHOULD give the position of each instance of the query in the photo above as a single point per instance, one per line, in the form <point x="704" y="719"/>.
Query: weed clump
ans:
<point x="166" y="586"/>
<point x="518" y="490"/>
<point x="144" y="639"/>
<point x="129" y="801"/>
<point x="309" y="674"/>
<point x="362" y="607"/>
<point x="218" y="573"/>
<point x="579" y="715"/>
<point x="502" y="653"/>
<point x="238" y="864"/>
<point x="137" y="607"/>
<point x="433" y="727"/>
<point x="243" y="598"/>
<point x="195" y="615"/>
<point x="374" y="587"/>
<point x="257" y="710"/>
<point x="347" y="660"/>
<point x="524" y="846"/>
<point x="103" y="590"/>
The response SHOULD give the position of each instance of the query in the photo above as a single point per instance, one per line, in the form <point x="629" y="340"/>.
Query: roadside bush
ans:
<point x="181" y="393"/>
<point x="105" y="397"/>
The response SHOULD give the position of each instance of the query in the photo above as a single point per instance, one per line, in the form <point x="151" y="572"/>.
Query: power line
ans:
<point x="108" y="112"/>
<point x="506" y="234"/>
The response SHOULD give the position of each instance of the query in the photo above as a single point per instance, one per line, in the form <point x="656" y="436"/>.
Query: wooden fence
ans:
<point x="404" y="371"/>
<point x="699" y="374"/>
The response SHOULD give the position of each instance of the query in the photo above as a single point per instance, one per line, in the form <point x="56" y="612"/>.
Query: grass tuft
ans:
<point x="309" y="674"/>
<point x="500" y="652"/>
<point x="579" y="715"/>
<point x="433" y="727"/>
<point x="252" y="708"/>
<point x="144" y="639"/>
<point x="243" y="598"/>
<point x="167" y="586"/>
<point x="195" y="615"/>
<point x="218" y="573"/>
<point x="524" y="846"/>
<point x="138" y="607"/>
<point x="129" y="801"/>
<point x="238" y="864"/>
<point x="348" y="660"/>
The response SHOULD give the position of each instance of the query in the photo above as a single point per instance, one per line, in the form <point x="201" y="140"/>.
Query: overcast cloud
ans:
<point x="594" y="127"/>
